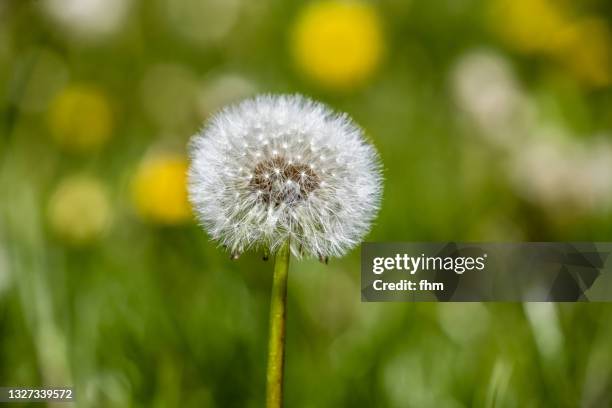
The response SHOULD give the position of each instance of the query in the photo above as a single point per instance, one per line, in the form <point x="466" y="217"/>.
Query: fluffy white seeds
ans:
<point x="279" y="167"/>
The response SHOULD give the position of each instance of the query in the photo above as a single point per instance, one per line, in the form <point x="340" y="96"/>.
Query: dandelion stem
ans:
<point x="278" y="317"/>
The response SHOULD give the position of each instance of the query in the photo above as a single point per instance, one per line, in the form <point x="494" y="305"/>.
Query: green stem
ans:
<point x="278" y="318"/>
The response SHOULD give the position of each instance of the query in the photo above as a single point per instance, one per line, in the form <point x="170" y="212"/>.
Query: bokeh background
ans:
<point x="494" y="123"/>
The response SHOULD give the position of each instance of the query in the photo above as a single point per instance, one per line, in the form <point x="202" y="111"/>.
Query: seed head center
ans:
<point x="277" y="180"/>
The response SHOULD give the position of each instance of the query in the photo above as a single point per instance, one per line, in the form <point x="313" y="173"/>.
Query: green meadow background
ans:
<point x="494" y="123"/>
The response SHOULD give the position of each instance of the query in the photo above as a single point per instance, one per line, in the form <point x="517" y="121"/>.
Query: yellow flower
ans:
<point x="160" y="190"/>
<point x="79" y="210"/>
<point x="80" y="118"/>
<point x="587" y="51"/>
<point x="582" y="45"/>
<point x="529" y="26"/>
<point x="338" y="43"/>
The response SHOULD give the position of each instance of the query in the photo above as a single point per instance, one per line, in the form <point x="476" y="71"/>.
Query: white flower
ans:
<point x="88" y="19"/>
<point x="284" y="167"/>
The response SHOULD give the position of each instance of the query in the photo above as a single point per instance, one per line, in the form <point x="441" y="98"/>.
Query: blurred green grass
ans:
<point x="143" y="314"/>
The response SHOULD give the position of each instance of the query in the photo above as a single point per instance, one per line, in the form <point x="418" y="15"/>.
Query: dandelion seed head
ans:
<point x="310" y="177"/>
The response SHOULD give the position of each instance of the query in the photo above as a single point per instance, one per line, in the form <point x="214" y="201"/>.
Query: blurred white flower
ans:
<point x="547" y="165"/>
<point x="545" y="326"/>
<point x="274" y="168"/>
<point x="88" y="18"/>
<point x="79" y="210"/>
<point x="540" y="171"/>
<point x="556" y="170"/>
<point x="201" y="22"/>
<point x="485" y="87"/>
<point x="598" y="170"/>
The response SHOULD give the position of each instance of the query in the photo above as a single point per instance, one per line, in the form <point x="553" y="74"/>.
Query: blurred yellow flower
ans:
<point x="583" y="45"/>
<point x="79" y="210"/>
<point x="80" y="118"/>
<point x="530" y="26"/>
<point x="160" y="190"/>
<point x="338" y="43"/>
<point x="587" y="51"/>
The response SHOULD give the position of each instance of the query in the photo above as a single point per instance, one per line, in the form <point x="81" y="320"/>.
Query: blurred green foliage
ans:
<point x="145" y="314"/>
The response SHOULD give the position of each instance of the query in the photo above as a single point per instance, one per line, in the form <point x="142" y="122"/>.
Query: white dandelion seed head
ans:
<point x="278" y="167"/>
